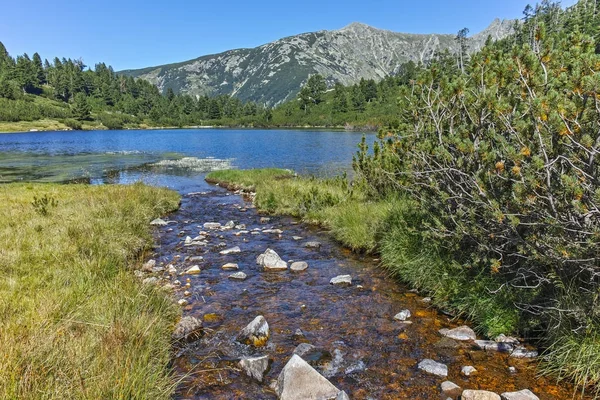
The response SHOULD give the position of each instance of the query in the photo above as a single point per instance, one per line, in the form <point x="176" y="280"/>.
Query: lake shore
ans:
<point x="75" y="320"/>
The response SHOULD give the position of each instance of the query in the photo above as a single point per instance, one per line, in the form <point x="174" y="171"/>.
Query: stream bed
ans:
<point x="359" y="346"/>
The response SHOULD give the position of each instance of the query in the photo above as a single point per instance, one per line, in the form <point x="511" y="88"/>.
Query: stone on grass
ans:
<point x="255" y="367"/>
<point x="298" y="380"/>
<point x="433" y="367"/>
<point x="460" y="333"/>
<point x="524" y="394"/>
<point x="238" y="276"/>
<point x="479" y="395"/>
<point x="230" y="267"/>
<point x="341" y="280"/>
<point x="256" y="333"/>
<point x="193" y="270"/>
<point x="158" y="222"/>
<point x="402" y="315"/>
<point x="299" y="266"/>
<point x="149" y="265"/>
<point x="450" y="389"/>
<point x="232" y="250"/>
<point x="188" y="328"/>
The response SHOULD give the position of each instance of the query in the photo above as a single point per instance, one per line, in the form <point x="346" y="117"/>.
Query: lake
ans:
<point x="175" y="158"/>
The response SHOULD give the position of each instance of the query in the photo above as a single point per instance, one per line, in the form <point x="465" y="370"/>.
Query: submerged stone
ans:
<point x="255" y="367"/>
<point x="433" y="367"/>
<point x="402" y="315"/>
<point x="462" y="333"/>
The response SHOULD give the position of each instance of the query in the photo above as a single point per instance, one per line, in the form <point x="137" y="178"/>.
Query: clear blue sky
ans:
<point x="134" y="34"/>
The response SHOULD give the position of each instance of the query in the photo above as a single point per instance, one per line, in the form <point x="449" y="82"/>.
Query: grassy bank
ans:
<point x="75" y="321"/>
<point x="396" y="228"/>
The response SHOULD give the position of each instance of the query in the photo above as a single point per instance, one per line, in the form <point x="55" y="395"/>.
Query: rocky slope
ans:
<point x="275" y="72"/>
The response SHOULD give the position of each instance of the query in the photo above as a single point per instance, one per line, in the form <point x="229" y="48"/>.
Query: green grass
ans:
<point x="247" y="179"/>
<point x="75" y="321"/>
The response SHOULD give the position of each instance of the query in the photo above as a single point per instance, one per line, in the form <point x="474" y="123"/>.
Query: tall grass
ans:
<point x="75" y="322"/>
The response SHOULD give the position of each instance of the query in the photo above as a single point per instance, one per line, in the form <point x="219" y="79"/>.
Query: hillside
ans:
<point x="275" y="72"/>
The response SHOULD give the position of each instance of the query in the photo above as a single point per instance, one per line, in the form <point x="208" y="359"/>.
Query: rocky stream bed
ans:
<point x="312" y="320"/>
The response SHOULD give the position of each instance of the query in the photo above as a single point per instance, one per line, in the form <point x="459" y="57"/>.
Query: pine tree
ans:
<point x="80" y="108"/>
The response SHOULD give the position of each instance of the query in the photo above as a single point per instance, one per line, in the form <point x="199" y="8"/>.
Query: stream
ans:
<point x="359" y="346"/>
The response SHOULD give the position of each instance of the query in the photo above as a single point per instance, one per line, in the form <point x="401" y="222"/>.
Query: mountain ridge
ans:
<point x="274" y="72"/>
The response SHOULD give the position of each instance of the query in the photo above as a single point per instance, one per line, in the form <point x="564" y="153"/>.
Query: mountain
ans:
<point x="275" y="72"/>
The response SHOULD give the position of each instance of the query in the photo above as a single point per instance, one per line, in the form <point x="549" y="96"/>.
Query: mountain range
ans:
<point x="275" y="72"/>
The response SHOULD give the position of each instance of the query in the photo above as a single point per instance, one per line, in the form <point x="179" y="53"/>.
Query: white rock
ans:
<point x="460" y="333"/>
<point x="158" y="222"/>
<point x="193" y="270"/>
<point x="172" y="270"/>
<point x="188" y="328"/>
<point x="211" y="225"/>
<point x="255" y="367"/>
<point x="297" y="237"/>
<point x="188" y="241"/>
<point x="341" y="280"/>
<point x="522" y="352"/>
<point x="312" y="245"/>
<point x="238" y="276"/>
<point x="256" y="333"/>
<point x="196" y="259"/>
<point x="402" y="315"/>
<point x="230" y="267"/>
<point x="232" y="250"/>
<point x="299" y="266"/>
<point x="524" y="394"/>
<point x="433" y="367"/>
<point x="450" y="389"/>
<point x="298" y="380"/>
<point x="467" y="370"/>
<point x="490" y="345"/>
<point x="183" y="302"/>
<point x="479" y="395"/>
<point x="149" y="265"/>
<point x="271" y="261"/>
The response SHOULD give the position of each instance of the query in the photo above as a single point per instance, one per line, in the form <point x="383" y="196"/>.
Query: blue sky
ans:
<point x="135" y="33"/>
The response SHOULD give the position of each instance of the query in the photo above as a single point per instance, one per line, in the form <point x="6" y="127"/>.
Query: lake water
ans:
<point x="152" y="155"/>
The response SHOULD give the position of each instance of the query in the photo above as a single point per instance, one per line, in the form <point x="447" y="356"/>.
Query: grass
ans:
<point x="75" y="321"/>
<point x="247" y="179"/>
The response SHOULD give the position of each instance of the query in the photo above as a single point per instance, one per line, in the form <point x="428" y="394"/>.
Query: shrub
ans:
<point x="73" y="124"/>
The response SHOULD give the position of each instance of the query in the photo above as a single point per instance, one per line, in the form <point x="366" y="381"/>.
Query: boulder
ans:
<point x="433" y="367"/>
<point x="256" y="333"/>
<point x="255" y="367"/>
<point x="524" y="394"/>
<point x="479" y="395"/>
<point x="298" y="380"/>
<point x="158" y="222"/>
<point x="299" y="266"/>
<point x="460" y="333"/>
<point x="271" y="261"/>
<point x="187" y="329"/>
<point x="230" y="267"/>
<point x="341" y="280"/>
<point x="232" y="250"/>
<point x="450" y="389"/>
<point x="238" y="276"/>
<point x="402" y="315"/>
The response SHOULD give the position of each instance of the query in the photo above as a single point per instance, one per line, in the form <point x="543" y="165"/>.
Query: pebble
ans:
<point x="433" y="367"/>
<point x="183" y="302"/>
<point x="193" y="270"/>
<point x="341" y="280"/>
<point x="230" y="267"/>
<point x="299" y="266"/>
<point x="232" y="250"/>
<point x="238" y="276"/>
<point x="467" y="370"/>
<point x="402" y="315"/>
